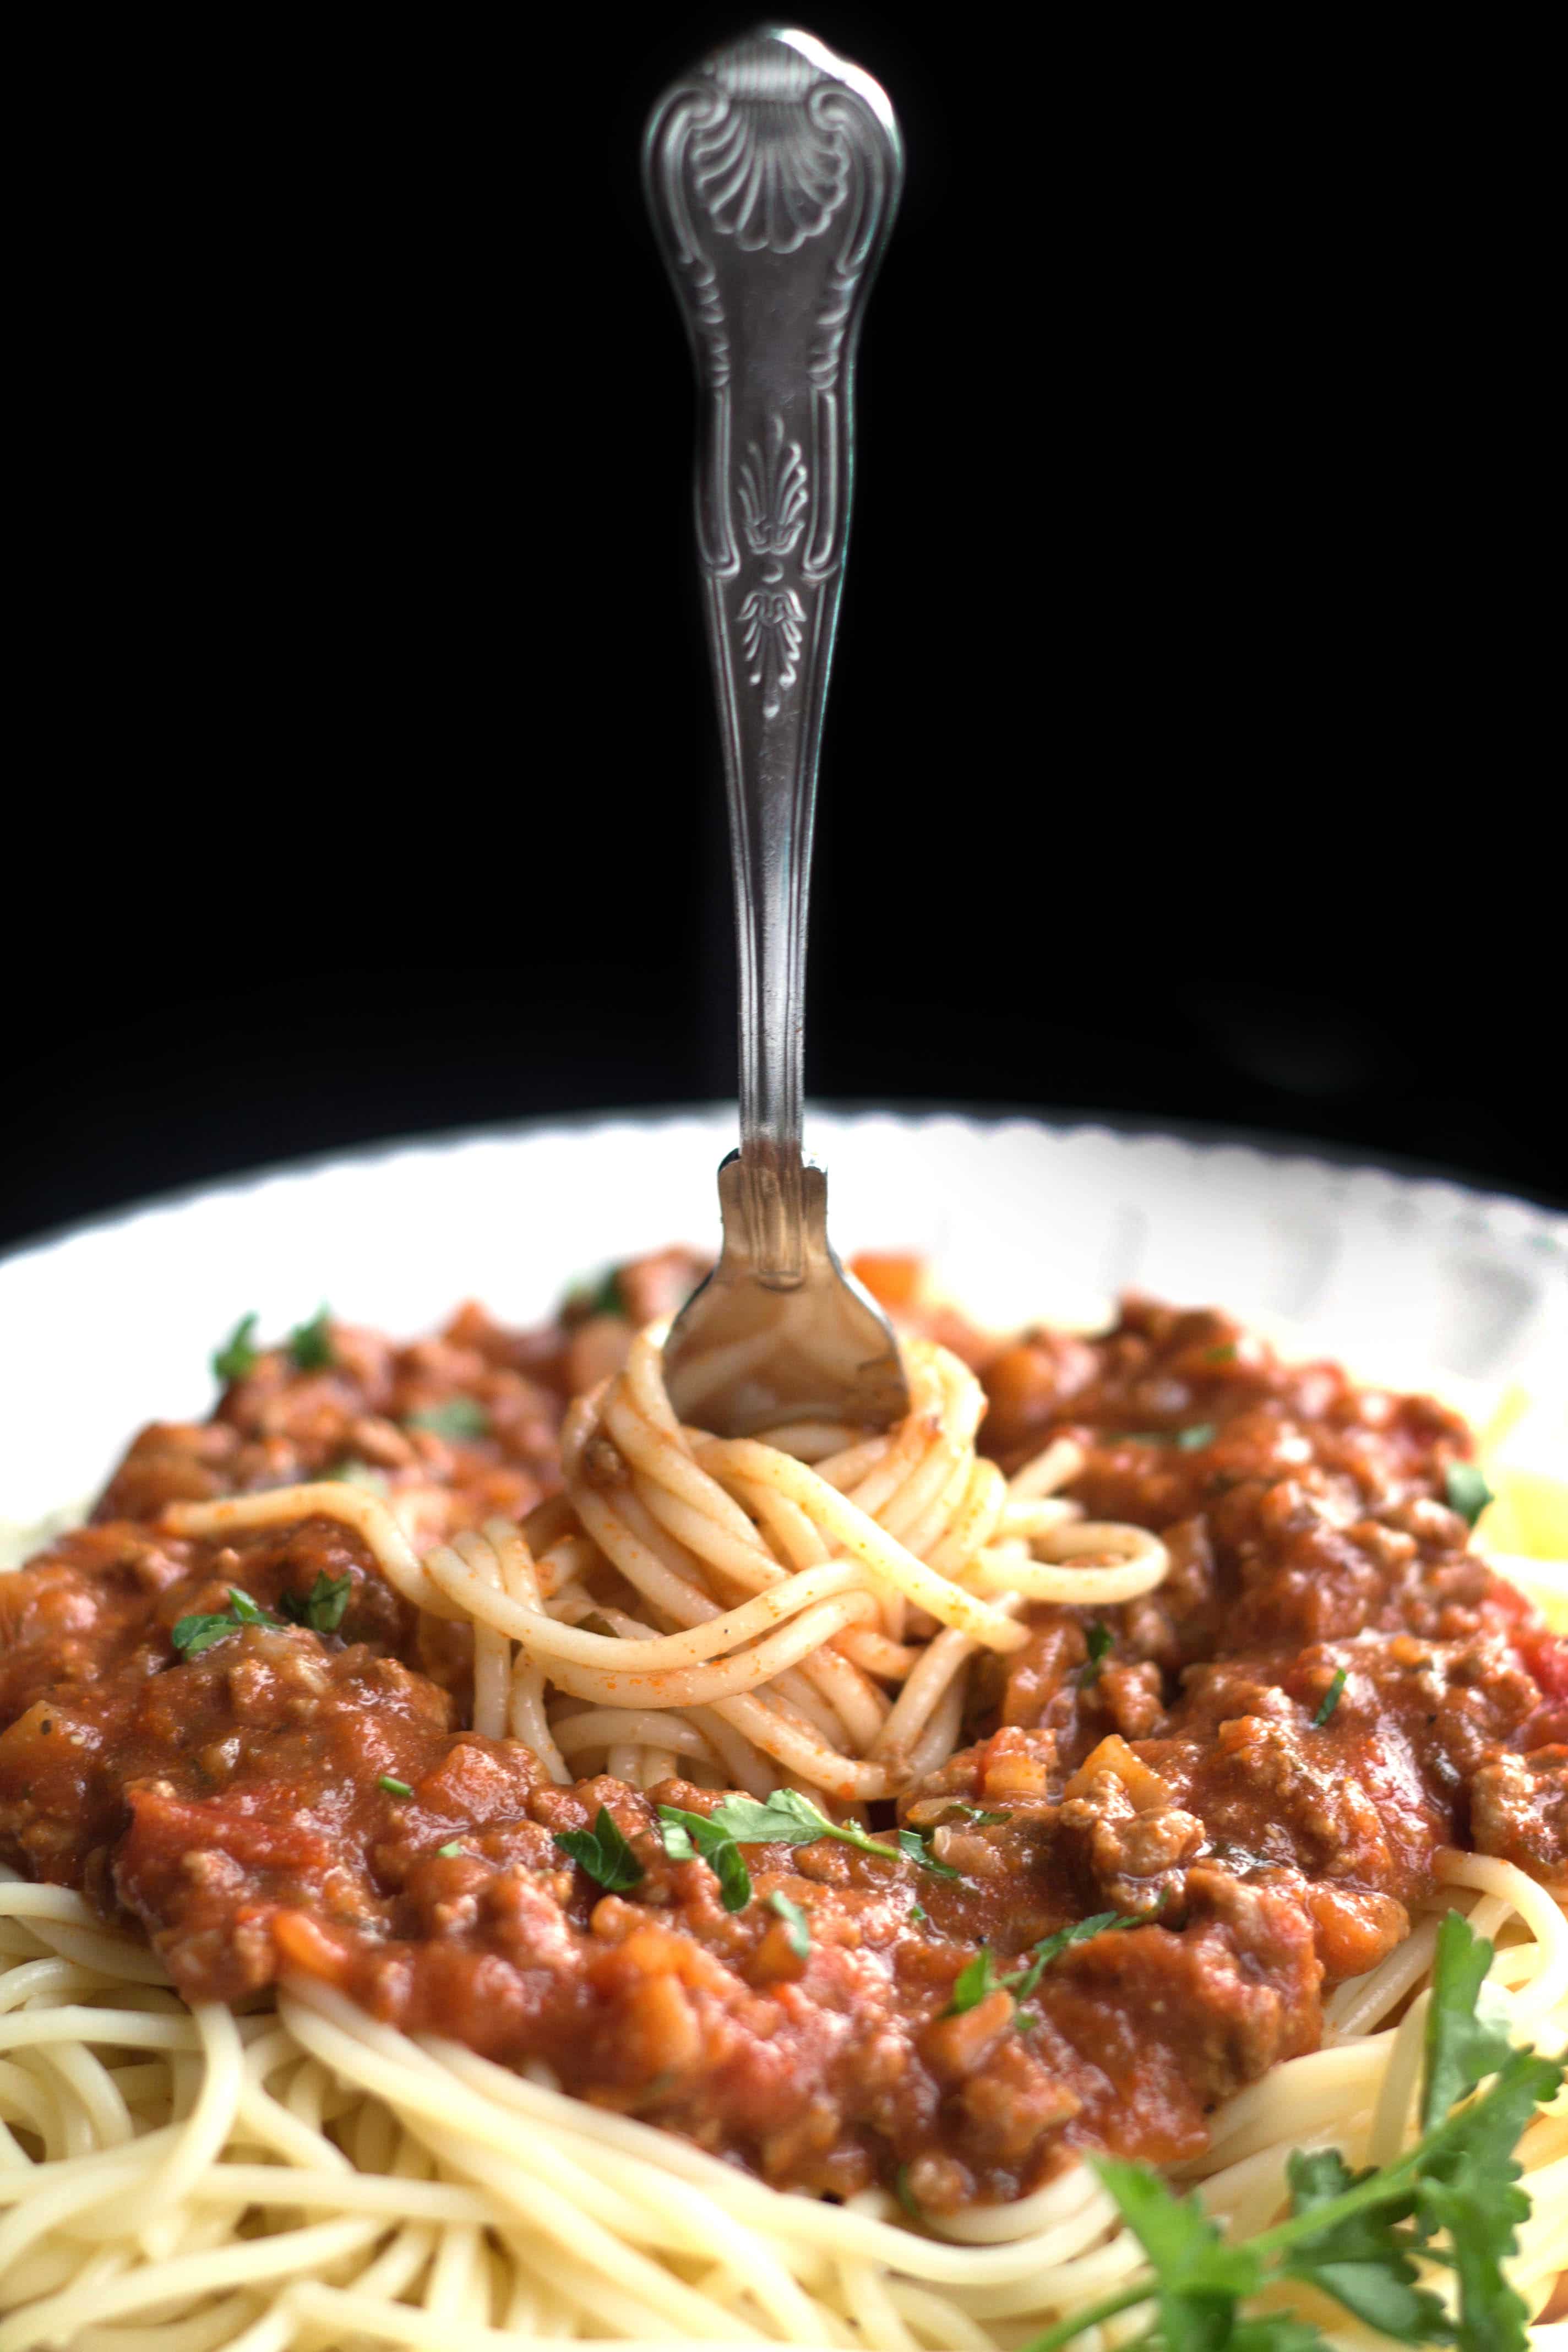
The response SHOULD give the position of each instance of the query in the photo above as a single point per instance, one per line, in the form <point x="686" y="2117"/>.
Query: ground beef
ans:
<point x="1252" y="1768"/>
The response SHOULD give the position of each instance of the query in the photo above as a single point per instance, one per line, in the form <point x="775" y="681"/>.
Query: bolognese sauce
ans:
<point x="1246" y="1774"/>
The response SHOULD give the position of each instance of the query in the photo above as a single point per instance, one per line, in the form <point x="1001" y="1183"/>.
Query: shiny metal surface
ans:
<point x="772" y="172"/>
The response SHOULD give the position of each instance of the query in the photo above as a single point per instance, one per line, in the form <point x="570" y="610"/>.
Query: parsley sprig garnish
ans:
<point x="1360" y="2236"/>
<point x="786" y="1818"/>
<point x="974" y="1983"/>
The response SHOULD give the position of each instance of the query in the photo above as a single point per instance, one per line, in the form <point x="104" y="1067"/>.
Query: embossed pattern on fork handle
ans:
<point x="773" y="170"/>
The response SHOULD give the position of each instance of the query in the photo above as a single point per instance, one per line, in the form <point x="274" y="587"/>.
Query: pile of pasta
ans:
<point x="801" y="1607"/>
<point x="801" y="1610"/>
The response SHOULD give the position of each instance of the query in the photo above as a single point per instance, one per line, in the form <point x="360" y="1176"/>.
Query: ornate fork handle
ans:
<point x="772" y="172"/>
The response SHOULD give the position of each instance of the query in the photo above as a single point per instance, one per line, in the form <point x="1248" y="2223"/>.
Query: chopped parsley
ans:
<point x="192" y="1635"/>
<point x="959" y="1811"/>
<point x="1202" y="1432"/>
<point x="459" y="1417"/>
<point x="700" y="1837"/>
<point x="1467" y="1490"/>
<point x="602" y="1852"/>
<point x="797" y="1927"/>
<point x="785" y="1819"/>
<point x="393" y="1785"/>
<point x="912" y="1845"/>
<point x="238" y="1355"/>
<point x="1101" y="1641"/>
<point x="1226" y="1355"/>
<point x="1331" y="1697"/>
<point x="310" y="1344"/>
<point x="974" y="1983"/>
<point x="1044" y="1952"/>
<point x="1358" y="2237"/>
<point x="450" y="1852"/>
<point x="906" y="2195"/>
<point x="322" y="1609"/>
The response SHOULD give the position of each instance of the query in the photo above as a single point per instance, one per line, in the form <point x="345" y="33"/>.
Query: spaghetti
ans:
<point x="760" y="1605"/>
<point x="310" y="2178"/>
<point x="818" y="1612"/>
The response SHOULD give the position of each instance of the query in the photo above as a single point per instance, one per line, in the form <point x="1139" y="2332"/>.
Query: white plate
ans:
<point x="114" y="1324"/>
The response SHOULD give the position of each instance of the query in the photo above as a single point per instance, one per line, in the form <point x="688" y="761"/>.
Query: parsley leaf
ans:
<point x="192" y="1635"/>
<point x="1202" y="1432"/>
<point x="393" y="1785"/>
<point x="1044" y="1952"/>
<point x="310" y="1344"/>
<point x="973" y="1984"/>
<point x="697" y="1837"/>
<point x="322" y="1609"/>
<point x="1280" y="2332"/>
<point x="797" y="1927"/>
<point x="1479" y="2210"/>
<point x="1101" y="1641"/>
<point x="976" y="1982"/>
<point x="238" y="1357"/>
<point x="1199" y="2278"/>
<point x="786" y="1817"/>
<point x="1466" y="1491"/>
<point x="783" y="1819"/>
<point x="1360" y="2260"/>
<point x="459" y="1417"/>
<point x="789" y="1819"/>
<point x="1463" y="2039"/>
<point x="912" y="1844"/>
<point x="602" y="1852"/>
<point x="1331" y="1697"/>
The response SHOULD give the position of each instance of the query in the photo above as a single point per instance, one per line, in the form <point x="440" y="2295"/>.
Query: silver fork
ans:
<point x="772" y="172"/>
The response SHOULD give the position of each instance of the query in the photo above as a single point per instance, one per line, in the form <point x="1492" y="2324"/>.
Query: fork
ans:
<point x="772" y="172"/>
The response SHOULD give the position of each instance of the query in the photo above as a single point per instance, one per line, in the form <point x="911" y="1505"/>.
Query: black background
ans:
<point x="1184" y="760"/>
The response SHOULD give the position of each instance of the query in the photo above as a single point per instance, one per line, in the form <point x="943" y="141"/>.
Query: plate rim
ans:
<point x="1531" y="1219"/>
